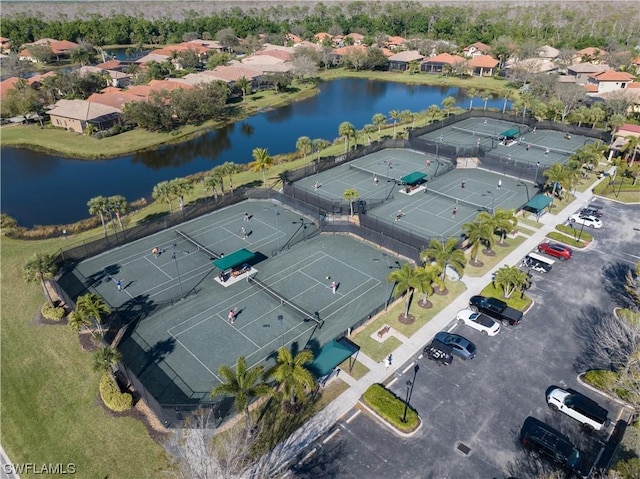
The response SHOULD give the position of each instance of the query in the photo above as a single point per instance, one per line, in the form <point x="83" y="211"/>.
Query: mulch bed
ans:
<point x="487" y="252"/>
<point x="410" y="319"/>
<point x="440" y="292"/>
<point x="425" y="304"/>
<point x="476" y="263"/>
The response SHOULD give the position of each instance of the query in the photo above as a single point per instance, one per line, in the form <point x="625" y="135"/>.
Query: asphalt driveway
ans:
<point x="473" y="410"/>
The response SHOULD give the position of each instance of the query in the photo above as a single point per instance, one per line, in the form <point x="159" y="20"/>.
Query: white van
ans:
<point x="537" y="263"/>
<point x="579" y="407"/>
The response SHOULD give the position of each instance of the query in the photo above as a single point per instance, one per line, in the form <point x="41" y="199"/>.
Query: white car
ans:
<point x="579" y="407"/>
<point x="478" y="321"/>
<point x="590" y="221"/>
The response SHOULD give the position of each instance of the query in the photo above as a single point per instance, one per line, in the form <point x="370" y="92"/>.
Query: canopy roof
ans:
<point x="510" y="133"/>
<point x="538" y="203"/>
<point x="234" y="259"/>
<point x="413" y="178"/>
<point x="331" y="355"/>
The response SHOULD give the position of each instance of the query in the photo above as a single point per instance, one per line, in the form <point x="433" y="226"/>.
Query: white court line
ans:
<point x="331" y="436"/>
<point x="353" y="416"/>
<point x="236" y="329"/>
<point x="197" y="359"/>
<point x="159" y="268"/>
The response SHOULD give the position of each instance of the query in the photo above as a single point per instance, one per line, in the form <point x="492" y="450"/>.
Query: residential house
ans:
<point x="60" y="48"/>
<point x="6" y="86"/>
<point x="548" y="53"/>
<point x="152" y="57"/>
<point x="291" y="40"/>
<point x="114" y="98"/>
<point x="232" y="73"/>
<point x="533" y="65"/>
<point x="395" y="43"/>
<point x="116" y="78"/>
<point x="401" y="61"/>
<point x="582" y="71"/>
<point x="440" y="63"/>
<point x="76" y="115"/>
<point x="590" y="54"/>
<point x="111" y="65"/>
<point x="483" y="65"/>
<point x="475" y="50"/>
<point x="610" y="80"/>
<point x="356" y="37"/>
<point x="321" y="37"/>
<point x="5" y="45"/>
<point x="620" y="137"/>
<point x="212" y="45"/>
<point x="337" y="54"/>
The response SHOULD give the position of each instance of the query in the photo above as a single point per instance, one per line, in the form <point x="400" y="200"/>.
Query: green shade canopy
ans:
<point x="538" y="203"/>
<point x="234" y="259"/>
<point x="331" y="355"/>
<point x="510" y="133"/>
<point x="413" y="178"/>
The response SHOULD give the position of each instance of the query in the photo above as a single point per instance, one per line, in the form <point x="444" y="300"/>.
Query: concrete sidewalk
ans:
<point x="412" y="347"/>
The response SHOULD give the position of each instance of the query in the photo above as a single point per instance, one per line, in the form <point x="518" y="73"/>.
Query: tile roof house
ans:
<point x="401" y="61"/>
<point x="4" y="45"/>
<point x="115" y="99"/>
<point x="321" y="36"/>
<point x="582" y="71"/>
<point x="589" y="54"/>
<point x="152" y="57"/>
<point x="483" y="65"/>
<point x="395" y="43"/>
<point x="76" y="115"/>
<point x="620" y="139"/>
<point x="610" y="80"/>
<point x="534" y="65"/>
<point x="476" y="49"/>
<point x="6" y="86"/>
<point x="232" y="73"/>
<point x="60" y="48"/>
<point x="548" y="52"/>
<point x="116" y="78"/>
<point x="338" y="53"/>
<point x="356" y="37"/>
<point x="111" y="65"/>
<point x="439" y="63"/>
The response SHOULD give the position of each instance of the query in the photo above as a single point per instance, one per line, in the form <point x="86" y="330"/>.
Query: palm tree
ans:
<point x="91" y="305"/>
<point x="407" y="116"/>
<point x="448" y="103"/>
<point x="394" y="115"/>
<point x="181" y="187"/>
<point x="369" y="129"/>
<point x="630" y="148"/>
<point x="163" y="192"/>
<point x="218" y="173"/>
<point x="319" y="144"/>
<point x="119" y="205"/>
<point x="476" y="232"/>
<point x="77" y="321"/>
<point x="347" y="130"/>
<point x="41" y="267"/>
<point x="303" y="145"/>
<point x="445" y="254"/>
<point x="292" y="375"/>
<point x="262" y="162"/>
<point x="229" y="168"/>
<point x="407" y="279"/>
<point x="211" y="181"/>
<point x="379" y="119"/>
<point x="471" y="93"/>
<point x="105" y="359"/>
<point x="243" y="385"/>
<point x="505" y="221"/>
<point x="430" y="273"/>
<point x="507" y="94"/>
<point x="97" y="207"/>
<point x="243" y="83"/>
<point x="510" y="279"/>
<point x="556" y="175"/>
<point x="432" y="111"/>
<point x="351" y="194"/>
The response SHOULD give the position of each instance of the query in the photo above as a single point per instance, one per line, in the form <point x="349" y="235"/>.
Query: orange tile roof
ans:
<point x="6" y="86"/>
<point x="280" y="54"/>
<point x="483" y="61"/>
<point x="234" y="73"/>
<point x="158" y="85"/>
<point x="612" y="75"/>
<point x="38" y="78"/>
<point x="344" y="50"/>
<point x="293" y="38"/>
<point x="140" y="90"/>
<point x="322" y="35"/>
<point x="591" y="51"/>
<point x="396" y="40"/>
<point x="634" y="84"/>
<point x="483" y="47"/>
<point x="111" y="89"/>
<point x="629" y="127"/>
<point x="591" y="88"/>
<point x="181" y="47"/>
<point x="115" y="99"/>
<point x="445" y="58"/>
<point x="110" y="65"/>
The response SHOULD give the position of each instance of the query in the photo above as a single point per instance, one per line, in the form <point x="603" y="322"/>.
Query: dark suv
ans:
<point x="497" y="309"/>
<point x="439" y="352"/>
<point x="540" y="438"/>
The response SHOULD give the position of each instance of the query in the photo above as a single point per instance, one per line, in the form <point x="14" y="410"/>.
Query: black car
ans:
<point x="597" y="213"/>
<point x="541" y="439"/>
<point x="439" y="352"/>
<point x="497" y="309"/>
<point x="460" y="346"/>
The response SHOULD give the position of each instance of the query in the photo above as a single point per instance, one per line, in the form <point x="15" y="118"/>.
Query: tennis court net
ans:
<point x="459" y="201"/>
<point x="545" y="148"/>
<point x="472" y="132"/>
<point x="307" y="316"/>
<point x="374" y="174"/>
<point x="199" y="247"/>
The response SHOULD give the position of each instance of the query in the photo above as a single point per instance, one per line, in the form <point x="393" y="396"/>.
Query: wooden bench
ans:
<point x="384" y="331"/>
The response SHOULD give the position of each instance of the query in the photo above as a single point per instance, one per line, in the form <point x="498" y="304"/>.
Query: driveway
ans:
<point x="472" y="411"/>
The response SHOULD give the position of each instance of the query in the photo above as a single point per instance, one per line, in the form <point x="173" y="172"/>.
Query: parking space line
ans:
<point x="392" y="381"/>
<point x="331" y="436"/>
<point x="311" y="453"/>
<point x="408" y="367"/>
<point x="353" y="416"/>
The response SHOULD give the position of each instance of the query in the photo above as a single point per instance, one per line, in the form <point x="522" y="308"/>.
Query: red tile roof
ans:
<point x="280" y="54"/>
<point x="612" y="75"/>
<point x="110" y="65"/>
<point x="39" y="78"/>
<point x="115" y="99"/>
<point x="344" y="50"/>
<point x="6" y="86"/>
<point x="484" y="61"/>
<point x="445" y="58"/>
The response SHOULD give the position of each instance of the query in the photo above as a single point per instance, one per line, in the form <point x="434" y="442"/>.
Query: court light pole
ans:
<point x="537" y="168"/>
<point x="406" y="402"/>
<point x="275" y="207"/>
<point x="522" y="183"/>
<point x="280" y="318"/>
<point x="493" y="200"/>
<point x="389" y="166"/>
<point x="175" y="260"/>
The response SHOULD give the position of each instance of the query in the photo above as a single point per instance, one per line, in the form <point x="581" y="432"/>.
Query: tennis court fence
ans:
<point x="306" y="316"/>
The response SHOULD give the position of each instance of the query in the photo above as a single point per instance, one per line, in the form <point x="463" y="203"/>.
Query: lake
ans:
<point x="40" y="189"/>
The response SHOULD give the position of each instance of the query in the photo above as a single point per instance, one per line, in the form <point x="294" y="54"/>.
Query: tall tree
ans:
<point x="351" y="194"/>
<point x="477" y="232"/>
<point x="98" y="207"/>
<point x="92" y="306"/>
<point x="243" y="384"/>
<point x="77" y="321"/>
<point x="346" y="130"/>
<point x="105" y="359"/>
<point x="163" y="192"/>
<point x="505" y="221"/>
<point x="181" y="187"/>
<point x="303" y="145"/>
<point x="230" y="168"/>
<point x="318" y="145"/>
<point x="432" y="112"/>
<point x="243" y="84"/>
<point x="407" y="279"/>
<point x="262" y="162"/>
<point x="445" y="254"/>
<point x="395" y="116"/>
<point x="211" y="182"/>
<point x="42" y="268"/>
<point x="430" y="274"/>
<point x="556" y="175"/>
<point x="630" y="148"/>
<point x="379" y="119"/>
<point x="511" y="279"/>
<point x="448" y="103"/>
<point x="119" y="206"/>
<point x="292" y="374"/>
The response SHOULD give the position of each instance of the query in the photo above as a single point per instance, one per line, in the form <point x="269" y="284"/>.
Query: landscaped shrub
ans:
<point x="601" y="379"/>
<point x="112" y="397"/>
<point x="53" y="313"/>
<point x="390" y="407"/>
<point x="574" y="232"/>
<point x="568" y="240"/>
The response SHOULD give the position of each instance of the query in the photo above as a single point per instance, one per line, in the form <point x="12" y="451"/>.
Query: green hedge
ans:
<point x="573" y="232"/>
<point x="53" y="313"/>
<point x="112" y="397"/>
<point x="568" y="240"/>
<point x="515" y="301"/>
<point x="390" y="407"/>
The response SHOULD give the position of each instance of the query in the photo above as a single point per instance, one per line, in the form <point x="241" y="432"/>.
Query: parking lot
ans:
<point x="472" y="411"/>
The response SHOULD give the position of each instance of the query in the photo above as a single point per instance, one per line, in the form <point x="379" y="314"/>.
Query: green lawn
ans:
<point x="515" y="301"/>
<point x="354" y="368"/>
<point x="50" y="407"/>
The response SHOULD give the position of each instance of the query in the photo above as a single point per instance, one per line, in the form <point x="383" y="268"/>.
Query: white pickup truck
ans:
<point x="579" y="407"/>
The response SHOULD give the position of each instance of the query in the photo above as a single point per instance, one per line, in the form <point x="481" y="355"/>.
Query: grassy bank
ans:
<point x="50" y="407"/>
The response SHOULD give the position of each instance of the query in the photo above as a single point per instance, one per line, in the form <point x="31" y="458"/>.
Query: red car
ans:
<point x="556" y="250"/>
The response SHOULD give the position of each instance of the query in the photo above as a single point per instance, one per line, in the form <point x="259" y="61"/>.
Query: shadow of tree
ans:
<point x="614" y="278"/>
<point x="324" y="463"/>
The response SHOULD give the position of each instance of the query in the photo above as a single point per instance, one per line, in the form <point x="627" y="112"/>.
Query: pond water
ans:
<point x="39" y="189"/>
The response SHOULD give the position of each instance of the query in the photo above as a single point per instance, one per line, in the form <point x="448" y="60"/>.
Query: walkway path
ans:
<point x="378" y="373"/>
